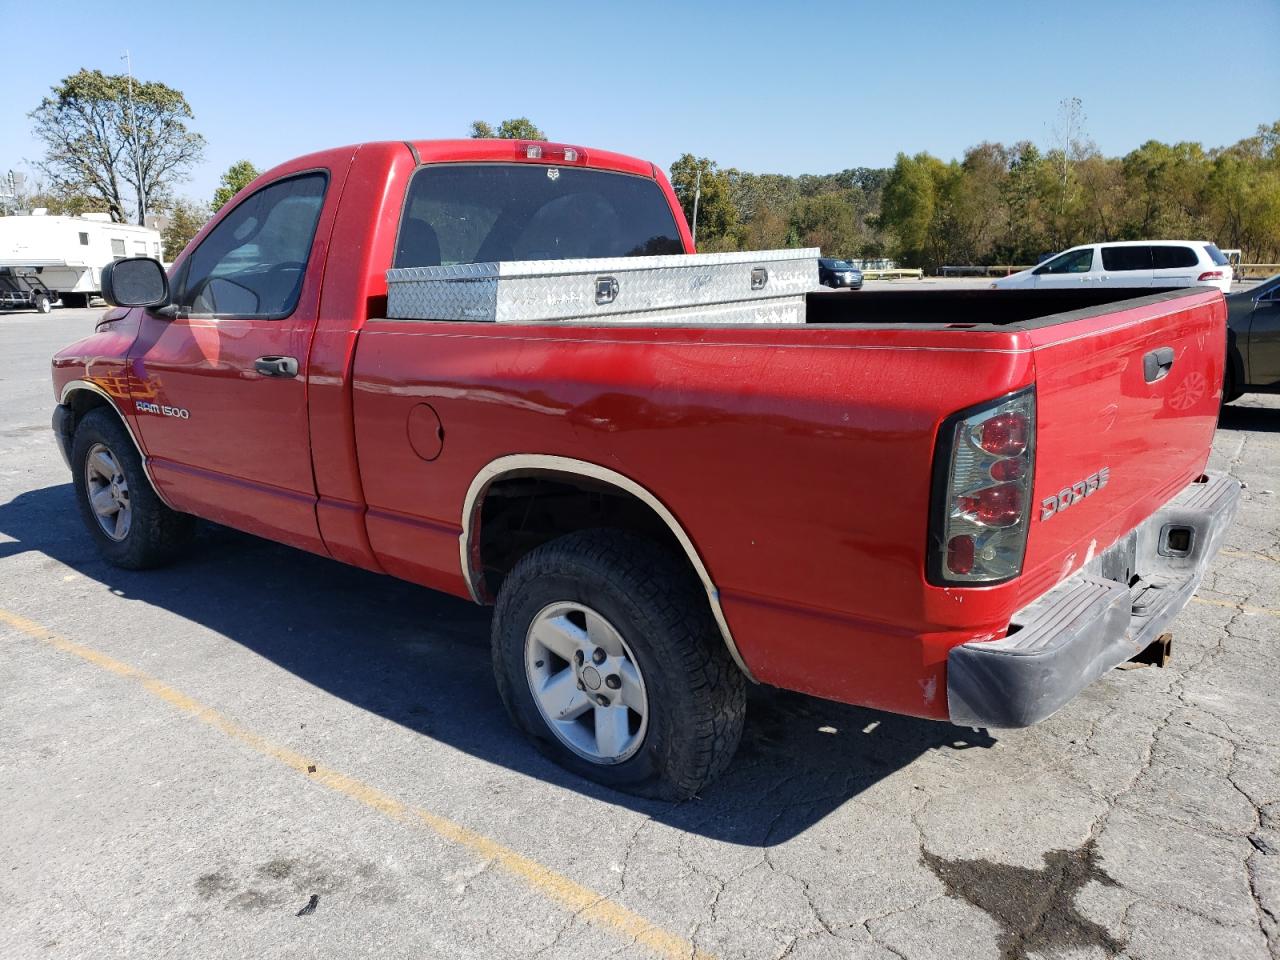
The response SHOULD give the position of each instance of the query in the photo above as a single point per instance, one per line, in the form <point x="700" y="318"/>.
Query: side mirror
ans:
<point x="135" y="282"/>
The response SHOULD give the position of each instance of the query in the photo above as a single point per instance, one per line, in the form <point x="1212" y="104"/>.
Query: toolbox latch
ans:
<point x="759" y="277"/>
<point x="606" y="290"/>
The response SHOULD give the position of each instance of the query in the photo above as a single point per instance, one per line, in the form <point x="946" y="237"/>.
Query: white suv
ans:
<point x="1130" y="263"/>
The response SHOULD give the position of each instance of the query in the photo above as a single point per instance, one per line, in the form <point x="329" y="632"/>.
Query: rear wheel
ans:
<point x="42" y="303"/>
<point x="129" y="523"/>
<point x="606" y="655"/>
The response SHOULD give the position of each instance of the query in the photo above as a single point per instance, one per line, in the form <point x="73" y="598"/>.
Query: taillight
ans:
<point x="983" y="472"/>
<point x="1210" y="275"/>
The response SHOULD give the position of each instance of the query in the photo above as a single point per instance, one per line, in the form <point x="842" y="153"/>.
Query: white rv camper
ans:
<point x="67" y="254"/>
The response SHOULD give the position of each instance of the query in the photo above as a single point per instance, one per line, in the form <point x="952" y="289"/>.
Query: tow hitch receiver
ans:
<point x="1155" y="654"/>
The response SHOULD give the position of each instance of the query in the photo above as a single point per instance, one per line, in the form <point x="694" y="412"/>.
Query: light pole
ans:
<point x="137" y="144"/>
<point x="697" y="195"/>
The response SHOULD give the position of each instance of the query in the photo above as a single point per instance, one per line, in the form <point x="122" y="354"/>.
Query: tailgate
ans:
<point x="1127" y="399"/>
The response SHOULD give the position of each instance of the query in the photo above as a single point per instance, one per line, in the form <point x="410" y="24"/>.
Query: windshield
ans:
<point x="478" y="213"/>
<point x="1216" y="255"/>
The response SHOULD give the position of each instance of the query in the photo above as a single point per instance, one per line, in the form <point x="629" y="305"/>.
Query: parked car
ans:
<point x="963" y="505"/>
<point x="839" y="273"/>
<point x="22" y="291"/>
<point x="1253" y="341"/>
<point x="1137" y="263"/>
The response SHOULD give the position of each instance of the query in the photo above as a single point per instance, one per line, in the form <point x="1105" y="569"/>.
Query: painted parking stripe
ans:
<point x="589" y="905"/>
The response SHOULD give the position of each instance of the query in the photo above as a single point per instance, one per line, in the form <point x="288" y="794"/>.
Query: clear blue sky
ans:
<point x="779" y="87"/>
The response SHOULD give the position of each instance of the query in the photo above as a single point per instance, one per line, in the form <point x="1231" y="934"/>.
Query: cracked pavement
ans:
<point x="1143" y="820"/>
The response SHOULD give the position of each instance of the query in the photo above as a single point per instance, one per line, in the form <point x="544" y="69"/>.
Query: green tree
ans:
<point x="238" y="176"/>
<point x="827" y="220"/>
<point x="185" y="217"/>
<point x="103" y="140"/>
<point x="57" y="202"/>
<point x="717" y="216"/>
<point x="518" y="128"/>
<point x="911" y="209"/>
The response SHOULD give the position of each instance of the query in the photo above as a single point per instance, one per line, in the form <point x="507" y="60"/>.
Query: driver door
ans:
<point x="221" y="391"/>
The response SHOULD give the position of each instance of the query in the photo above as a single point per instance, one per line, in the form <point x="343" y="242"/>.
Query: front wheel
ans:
<point x="131" y="526"/>
<point x="42" y="303"/>
<point x="606" y="655"/>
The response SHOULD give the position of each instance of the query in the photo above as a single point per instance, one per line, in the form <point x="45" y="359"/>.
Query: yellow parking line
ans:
<point x="1246" y="608"/>
<point x="591" y="906"/>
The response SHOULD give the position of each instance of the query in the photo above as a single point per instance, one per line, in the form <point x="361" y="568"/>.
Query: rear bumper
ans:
<point x="1094" y="620"/>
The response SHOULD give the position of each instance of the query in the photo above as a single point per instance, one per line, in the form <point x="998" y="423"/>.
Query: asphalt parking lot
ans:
<point x="261" y="753"/>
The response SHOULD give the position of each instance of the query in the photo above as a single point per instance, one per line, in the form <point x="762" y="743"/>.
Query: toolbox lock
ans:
<point x="759" y="277"/>
<point x="606" y="290"/>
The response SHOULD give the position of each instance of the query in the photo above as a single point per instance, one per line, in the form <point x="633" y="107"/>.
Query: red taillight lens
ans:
<point x="978" y="527"/>
<point x="1004" y="435"/>
<point x="998" y="506"/>
<point x="960" y="554"/>
<point x="1210" y="275"/>
<point x="1011" y="469"/>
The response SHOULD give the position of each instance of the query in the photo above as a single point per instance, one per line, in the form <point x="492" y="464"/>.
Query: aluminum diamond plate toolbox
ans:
<point x="615" y="289"/>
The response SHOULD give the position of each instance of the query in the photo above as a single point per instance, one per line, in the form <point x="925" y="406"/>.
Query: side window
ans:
<point x="252" y="264"/>
<point x="1167" y="258"/>
<point x="139" y="248"/>
<point x="1126" y="258"/>
<point x="1073" y="261"/>
<point x="117" y="250"/>
<point x="84" y="239"/>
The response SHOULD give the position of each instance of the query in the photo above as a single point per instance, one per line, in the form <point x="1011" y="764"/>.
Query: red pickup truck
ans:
<point x="961" y="505"/>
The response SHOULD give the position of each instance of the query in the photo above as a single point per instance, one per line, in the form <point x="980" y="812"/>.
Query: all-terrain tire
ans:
<point x="156" y="534"/>
<point x="696" y="693"/>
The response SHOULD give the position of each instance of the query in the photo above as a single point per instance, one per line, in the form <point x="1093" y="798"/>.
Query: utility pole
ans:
<point x="137" y="144"/>
<point x="697" y="195"/>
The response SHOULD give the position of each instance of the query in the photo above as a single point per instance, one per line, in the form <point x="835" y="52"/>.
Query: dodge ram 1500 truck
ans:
<point x="961" y="505"/>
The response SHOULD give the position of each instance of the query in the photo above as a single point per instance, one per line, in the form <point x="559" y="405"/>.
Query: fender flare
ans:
<point x="73" y="386"/>
<point x="533" y="463"/>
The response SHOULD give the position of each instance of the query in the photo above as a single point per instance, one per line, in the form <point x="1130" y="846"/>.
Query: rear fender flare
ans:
<point x="568" y="466"/>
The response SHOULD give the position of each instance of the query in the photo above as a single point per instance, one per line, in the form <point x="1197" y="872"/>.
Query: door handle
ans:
<point x="276" y="366"/>
<point x="1157" y="364"/>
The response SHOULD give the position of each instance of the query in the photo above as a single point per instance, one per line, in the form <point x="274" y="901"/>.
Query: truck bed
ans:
<point x="985" y="309"/>
<point x="1005" y="311"/>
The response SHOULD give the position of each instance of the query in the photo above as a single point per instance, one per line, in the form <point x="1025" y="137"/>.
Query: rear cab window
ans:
<point x="1126" y="258"/>
<point x="486" y="212"/>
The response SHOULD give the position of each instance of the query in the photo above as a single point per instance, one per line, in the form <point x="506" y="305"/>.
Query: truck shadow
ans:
<point x="1250" y="419"/>
<point x="421" y="659"/>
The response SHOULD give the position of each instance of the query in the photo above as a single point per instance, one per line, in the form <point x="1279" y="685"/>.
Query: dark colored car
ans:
<point x="1253" y="341"/>
<point x="839" y="273"/>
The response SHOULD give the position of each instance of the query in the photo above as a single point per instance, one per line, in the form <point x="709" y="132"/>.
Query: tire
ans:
<point x="693" y="692"/>
<point x="42" y="303"/>
<point x="150" y="534"/>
